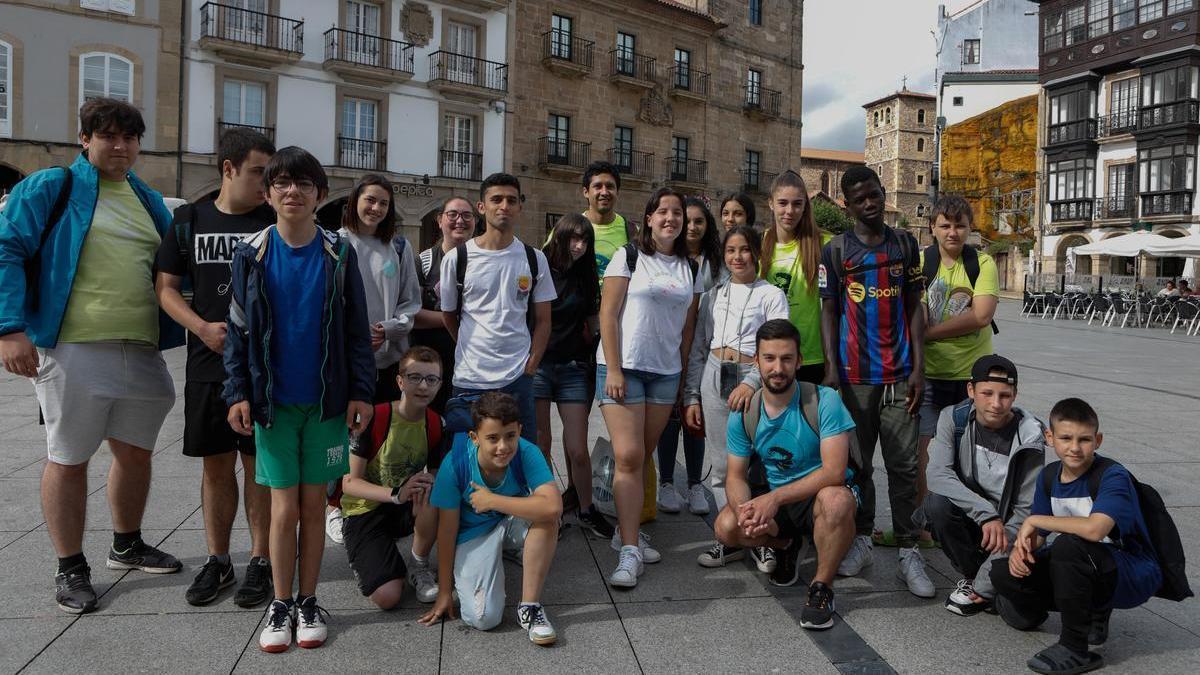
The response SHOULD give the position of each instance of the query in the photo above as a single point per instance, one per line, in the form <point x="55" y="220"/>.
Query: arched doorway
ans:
<point x="1121" y="266"/>
<point x="9" y="176"/>
<point x="1169" y="267"/>
<point x="1083" y="263"/>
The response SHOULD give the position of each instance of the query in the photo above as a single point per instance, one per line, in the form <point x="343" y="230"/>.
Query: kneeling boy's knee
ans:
<point x="726" y="527"/>
<point x="388" y="595"/>
<point x="836" y="503"/>
<point x="485" y="616"/>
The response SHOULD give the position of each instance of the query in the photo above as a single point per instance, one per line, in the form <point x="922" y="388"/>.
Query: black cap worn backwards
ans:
<point x="983" y="370"/>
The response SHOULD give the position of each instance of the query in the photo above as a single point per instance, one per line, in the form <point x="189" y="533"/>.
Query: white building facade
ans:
<point x="415" y="91"/>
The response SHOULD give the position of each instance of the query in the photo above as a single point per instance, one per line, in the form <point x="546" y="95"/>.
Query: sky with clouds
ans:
<point x="856" y="51"/>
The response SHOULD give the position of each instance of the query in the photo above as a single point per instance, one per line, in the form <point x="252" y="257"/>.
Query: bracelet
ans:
<point x="396" y="495"/>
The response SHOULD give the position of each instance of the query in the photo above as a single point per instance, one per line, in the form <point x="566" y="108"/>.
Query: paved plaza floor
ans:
<point x="681" y="618"/>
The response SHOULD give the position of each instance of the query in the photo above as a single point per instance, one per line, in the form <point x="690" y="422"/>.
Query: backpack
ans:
<point x="837" y="247"/>
<point x="376" y="435"/>
<point x="33" y="266"/>
<point x="460" y="281"/>
<point x="460" y="452"/>
<point x="810" y="400"/>
<point x="631" y="258"/>
<point x="970" y="258"/>
<point x="1164" y="536"/>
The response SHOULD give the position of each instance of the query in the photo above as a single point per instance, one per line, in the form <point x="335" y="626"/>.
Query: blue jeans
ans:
<point x="458" y="408"/>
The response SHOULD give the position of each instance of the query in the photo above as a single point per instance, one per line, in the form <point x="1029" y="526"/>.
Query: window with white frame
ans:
<point x="1071" y="179"/>
<point x="244" y="104"/>
<point x="1174" y="6"/>
<point x="105" y="75"/>
<point x="1123" y="14"/>
<point x="459" y="159"/>
<point x="1076" y="31"/>
<point x="1168" y="168"/>
<point x="970" y="51"/>
<point x="1150" y="10"/>
<point x="6" y="86"/>
<point x="1098" y="14"/>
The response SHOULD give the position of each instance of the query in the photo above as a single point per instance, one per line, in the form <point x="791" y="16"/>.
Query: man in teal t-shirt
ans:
<point x="495" y="493"/>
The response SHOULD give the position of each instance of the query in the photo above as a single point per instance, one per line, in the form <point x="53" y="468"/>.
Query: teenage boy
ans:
<point x="873" y="331"/>
<point x="299" y="372"/>
<point x="497" y="350"/>
<point x="385" y="496"/>
<point x="199" y="246"/>
<point x="1080" y="554"/>
<point x="806" y="469"/>
<point x="78" y="314"/>
<point x="961" y="296"/>
<point x="984" y="462"/>
<point x="495" y="494"/>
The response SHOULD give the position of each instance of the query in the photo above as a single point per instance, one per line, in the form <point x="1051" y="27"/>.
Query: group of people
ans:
<point x="372" y="392"/>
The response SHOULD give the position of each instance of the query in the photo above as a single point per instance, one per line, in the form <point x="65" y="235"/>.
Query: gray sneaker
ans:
<point x="859" y="556"/>
<point x="912" y="573"/>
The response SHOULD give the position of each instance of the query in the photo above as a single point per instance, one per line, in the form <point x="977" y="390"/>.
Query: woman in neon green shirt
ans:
<point x="790" y="257"/>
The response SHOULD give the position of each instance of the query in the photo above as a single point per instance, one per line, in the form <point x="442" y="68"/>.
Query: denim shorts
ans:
<point x="561" y="382"/>
<point x="640" y="387"/>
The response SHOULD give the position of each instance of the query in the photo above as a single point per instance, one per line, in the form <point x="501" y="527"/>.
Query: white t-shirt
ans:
<point x="493" y="338"/>
<point x="739" y="310"/>
<point x="655" y="310"/>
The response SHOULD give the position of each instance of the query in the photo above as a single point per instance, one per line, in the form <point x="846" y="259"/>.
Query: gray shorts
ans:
<point x="97" y="390"/>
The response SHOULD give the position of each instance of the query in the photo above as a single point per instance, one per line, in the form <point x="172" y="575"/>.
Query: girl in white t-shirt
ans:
<point x="722" y="357"/>
<point x="646" y="324"/>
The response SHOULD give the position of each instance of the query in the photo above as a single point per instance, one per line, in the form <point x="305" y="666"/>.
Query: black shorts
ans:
<point x="206" y="430"/>
<point x="795" y="519"/>
<point x="371" y="544"/>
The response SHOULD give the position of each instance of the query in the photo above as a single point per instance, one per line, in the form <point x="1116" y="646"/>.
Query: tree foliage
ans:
<point x="829" y="217"/>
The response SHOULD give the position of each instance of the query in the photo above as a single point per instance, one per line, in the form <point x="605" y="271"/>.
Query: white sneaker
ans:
<point x="668" y="498"/>
<point x="276" y="636"/>
<point x="698" y="500"/>
<point x="311" y="630"/>
<point x="629" y="568"/>
<point x="423" y="581"/>
<point x="649" y="555"/>
<point x="857" y="557"/>
<point x="912" y="572"/>
<point x="532" y="618"/>
<point x="333" y="526"/>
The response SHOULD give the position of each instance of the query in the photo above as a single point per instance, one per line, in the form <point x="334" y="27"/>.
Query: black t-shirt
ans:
<point x="206" y="261"/>
<point x="568" y="314"/>
<point x="1000" y="440"/>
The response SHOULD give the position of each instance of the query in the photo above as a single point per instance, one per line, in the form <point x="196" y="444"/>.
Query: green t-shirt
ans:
<point x="112" y="297"/>
<point x="948" y="295"/>
<point x="404" y="453"/>
<point x="609" y="238"/>
<point x="804" y="305"/>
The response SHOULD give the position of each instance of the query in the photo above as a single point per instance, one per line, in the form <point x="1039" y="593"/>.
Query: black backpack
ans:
<point x="631" y="258"/>
<point x="460" y="281"/>
<point x="1164" y="536"/>
<point x="970" y="258"/>
<point x="33" y="266"/>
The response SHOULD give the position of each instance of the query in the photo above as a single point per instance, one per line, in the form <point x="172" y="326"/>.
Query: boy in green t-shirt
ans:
<point x="958" y="329"/>
<point x="601" y="183"/>
<point x="385" y="497"/>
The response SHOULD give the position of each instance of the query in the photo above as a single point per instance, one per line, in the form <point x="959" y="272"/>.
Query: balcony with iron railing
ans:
<point x="223" y="126"/>
<point x="1175" y="113"/>
<point x="1116" y="207"/>
<point x="460" y="165"/>
<point x="1074" y="131"/>
<point x="360" y="153"/>
<point x="687" y="82"/>
<point x="756" y="180"/>
<point x="467" y="77"/>
<point x="567" y="54"/>
<point x="631" y="69"/>
<point x="685" y="172"/>
<point x="563" y="156"/>
<point x="633" y="164"/>
<point x="1167" y="203"/>
<point x="1115" y="124"/>
<point x="238" y="33"/>
<point x="367" y="58"/>
<point x="1067" y="210"/>
<point x="758" y="101"/>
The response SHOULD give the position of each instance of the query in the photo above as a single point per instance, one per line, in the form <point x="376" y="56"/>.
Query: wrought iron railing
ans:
<point x="761" y="99"/>
<point x="564" y="152"/>
<point x="461" y="69"/>
<point x="631" y="162"/>
<point x="460" y="165"/>
<point x="1163" y="114"/>
<point x="1173" y="202"/>
<point x="223" y="126"/>
<point x="368" y="50"/>
<point x="561" y="45"/>
<point x="626" y="63"/>
<point x="686" y="78"/>
<point x="1075" y="130"/>
<point x="360" y="153"/>
<point x="235" y="24"/>
<point x="685" y="170"/>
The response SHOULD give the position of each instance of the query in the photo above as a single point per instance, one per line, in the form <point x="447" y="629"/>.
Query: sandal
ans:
<point x="887" y="538"/>
<point x="1058" y="660"/>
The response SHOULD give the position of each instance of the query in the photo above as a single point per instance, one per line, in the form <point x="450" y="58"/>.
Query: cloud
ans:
<point x="819" y="94"/>
<point x="848" y="134"/>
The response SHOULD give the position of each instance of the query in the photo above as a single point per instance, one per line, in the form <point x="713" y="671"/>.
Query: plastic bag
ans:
<point x="603" y="470"/>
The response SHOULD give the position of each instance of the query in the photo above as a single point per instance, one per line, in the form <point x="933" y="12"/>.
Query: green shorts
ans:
<point x="301" y="448"/>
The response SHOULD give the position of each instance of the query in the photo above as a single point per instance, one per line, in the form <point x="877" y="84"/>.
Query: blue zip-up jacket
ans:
<point x="347" y="366"/>
<point x="21" y="227"/>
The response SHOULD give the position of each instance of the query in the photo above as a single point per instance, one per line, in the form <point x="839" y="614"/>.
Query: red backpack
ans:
<point x="376" y="435"/>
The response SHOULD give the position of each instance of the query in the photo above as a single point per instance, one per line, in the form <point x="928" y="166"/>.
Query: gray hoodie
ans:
<point x="392" y="293"/>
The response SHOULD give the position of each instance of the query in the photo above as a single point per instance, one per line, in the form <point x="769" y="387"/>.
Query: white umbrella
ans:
<point x="1182" y="247"/>
<point x="1071" y="260"/>
<point x="1127" y="245"/>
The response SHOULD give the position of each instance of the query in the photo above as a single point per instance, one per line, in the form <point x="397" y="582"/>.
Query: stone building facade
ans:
<point x="822" y="170"/>
<point x="54" y="55"/>
<point x="694" y="94"/>
<point x="900" y="148"/>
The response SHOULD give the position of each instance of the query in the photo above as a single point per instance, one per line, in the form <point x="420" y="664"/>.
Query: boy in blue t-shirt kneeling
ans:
<point x="495" y="494"/>
<point x="1076" y="553"/>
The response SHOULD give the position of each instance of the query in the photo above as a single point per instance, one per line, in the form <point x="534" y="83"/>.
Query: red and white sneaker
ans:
<point x="311" y="629"/>
<point x="276" y="636"/>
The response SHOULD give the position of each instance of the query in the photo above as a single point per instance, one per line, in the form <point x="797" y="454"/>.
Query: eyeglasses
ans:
<point x="429" y="380"/>
<point x="467" y="216"/>
<point x="304" y="185"/>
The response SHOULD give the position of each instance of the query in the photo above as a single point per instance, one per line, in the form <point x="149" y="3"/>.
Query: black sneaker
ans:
<point x="73" y="590"/>
<point x="593" y="521"/>
<point x="764" y="558"/>
<point x="818" y="611"/>
<point x="144" y="557"/>
<point x="258" y="585"/>
<point x="719" y="555"/>
<point x="212" y="578"/>
<point x="1098" y="634"/>
<point x="787" y="564"/>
